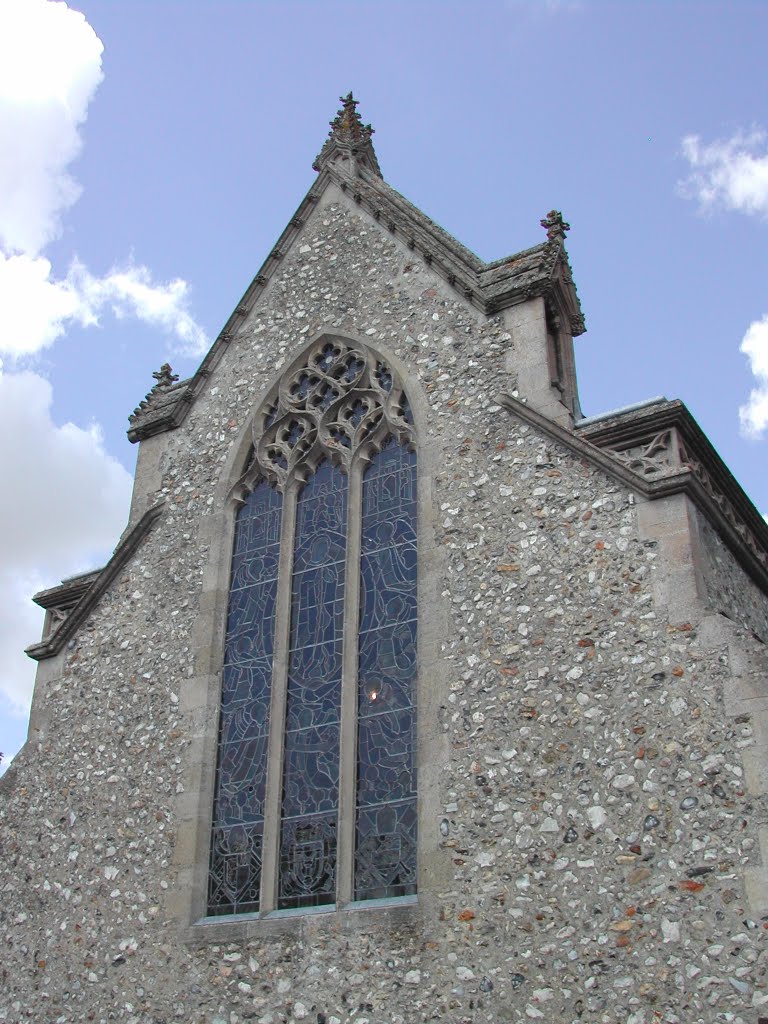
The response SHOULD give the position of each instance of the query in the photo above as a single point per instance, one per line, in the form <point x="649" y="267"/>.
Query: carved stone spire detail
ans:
<point x="348" y="126"/>
<point x="349" y="141"/>
<point x="555" y="225"/>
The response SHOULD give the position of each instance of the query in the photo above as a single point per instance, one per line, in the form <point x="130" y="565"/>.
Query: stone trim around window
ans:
<point x="265" y="439"/>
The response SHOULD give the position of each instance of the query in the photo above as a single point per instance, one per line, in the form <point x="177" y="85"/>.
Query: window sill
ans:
<point x="354" y="916"/>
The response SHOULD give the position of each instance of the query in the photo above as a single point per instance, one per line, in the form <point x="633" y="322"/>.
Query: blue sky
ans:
<point x="152" y="153"/>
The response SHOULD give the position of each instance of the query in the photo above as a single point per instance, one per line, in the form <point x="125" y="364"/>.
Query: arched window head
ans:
<point x="340" y="402"/>
<point x="315" y="797"/>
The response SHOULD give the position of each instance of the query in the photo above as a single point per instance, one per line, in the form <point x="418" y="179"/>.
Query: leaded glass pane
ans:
<point x="311" y="756"/>
<point x="385" y="853"/>
<point x="238" y="815"/>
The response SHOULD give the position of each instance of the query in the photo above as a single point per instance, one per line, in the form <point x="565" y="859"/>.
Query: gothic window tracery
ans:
<point x="318" y="700"/>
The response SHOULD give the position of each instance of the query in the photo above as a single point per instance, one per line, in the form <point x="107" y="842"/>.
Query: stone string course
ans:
<point x="589" y="824"/>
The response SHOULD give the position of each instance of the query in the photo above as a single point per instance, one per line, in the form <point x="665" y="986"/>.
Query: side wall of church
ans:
<point x="585" y="823"/>
<point x="729" y="588"/>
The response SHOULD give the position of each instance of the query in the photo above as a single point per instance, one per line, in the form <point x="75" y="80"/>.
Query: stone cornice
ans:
<point x="659" y="450"/>
<point x="88" y="590"/>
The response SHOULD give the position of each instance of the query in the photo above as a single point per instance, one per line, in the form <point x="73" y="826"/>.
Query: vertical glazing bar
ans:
<point x="273" y="797"/>
<point x="348" y="741"/>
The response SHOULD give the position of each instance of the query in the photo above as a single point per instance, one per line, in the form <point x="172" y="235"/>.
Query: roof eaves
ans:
<point x="68" y="592"/>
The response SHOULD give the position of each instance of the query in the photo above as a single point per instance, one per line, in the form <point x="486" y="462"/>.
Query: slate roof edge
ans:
<point x="705" y="479"/>
<point x="102" y="580"/>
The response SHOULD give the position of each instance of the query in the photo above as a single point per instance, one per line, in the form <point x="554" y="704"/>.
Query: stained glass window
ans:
<point x="339" y="424"/>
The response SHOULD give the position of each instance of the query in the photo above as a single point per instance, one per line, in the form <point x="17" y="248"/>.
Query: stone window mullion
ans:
<point x="348" y="740"/>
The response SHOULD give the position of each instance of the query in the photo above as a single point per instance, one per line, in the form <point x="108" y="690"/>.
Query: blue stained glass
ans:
<point x="238" y="816"/>
<point x="385" y="857"/>
<point x="242" y="777"/>
<point x="251" y="622"/>
<point x="311" y="771"/>
<point x="246" y="685"/>
<point x="317" y="606"/>
<point x="236" y="854"/>
<point x="311" y="757"/>
<point x="385" y="848"/>
<point x="308" y="861"/>
<point x="250" y="567"/>
<point x="385" y="762"/>
<point x="387" y="593"/>
<point x="387" y="666"/>
<point x="314" y="681"/>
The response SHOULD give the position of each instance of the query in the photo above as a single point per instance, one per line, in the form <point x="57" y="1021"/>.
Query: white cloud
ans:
<point x="64" y="498"/>
<point x="130" y="292"/>
<point x="732" y="174"/>
<point x="754" y="414"/>
<point x="50" y="67"/>
<point x="70" y="504"/>
<point x="35" y="308"/>
<point x="729" y="173"/>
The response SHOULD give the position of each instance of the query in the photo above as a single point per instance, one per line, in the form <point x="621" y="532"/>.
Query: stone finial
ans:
<point x="349" y="141"/>
<point x="165" y="376"/>
<point x="555" y="225"/>
<point x="348" y="126"/>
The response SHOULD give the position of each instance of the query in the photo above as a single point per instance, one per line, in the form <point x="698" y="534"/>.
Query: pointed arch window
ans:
<point x="315" y="793"/>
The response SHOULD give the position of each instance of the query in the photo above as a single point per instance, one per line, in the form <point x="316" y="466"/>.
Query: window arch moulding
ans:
<point x="314" y="799"/>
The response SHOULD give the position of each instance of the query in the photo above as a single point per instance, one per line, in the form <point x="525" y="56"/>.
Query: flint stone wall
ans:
<point x="585" y="822"/>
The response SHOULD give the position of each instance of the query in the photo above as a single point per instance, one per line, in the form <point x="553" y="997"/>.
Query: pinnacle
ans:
<point x="348" y="126"/>
<point x="349" y="145"/>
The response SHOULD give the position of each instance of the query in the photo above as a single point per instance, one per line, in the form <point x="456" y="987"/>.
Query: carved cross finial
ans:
<point x="347" y="126"/>
<point x="165" y="376"/>
<point x="555" y="225"/>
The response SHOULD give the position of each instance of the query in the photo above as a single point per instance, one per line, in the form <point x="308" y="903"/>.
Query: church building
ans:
<point x="409" y="694"/>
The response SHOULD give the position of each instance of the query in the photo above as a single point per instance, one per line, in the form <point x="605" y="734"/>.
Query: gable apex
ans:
<point x="348" y="162"/>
